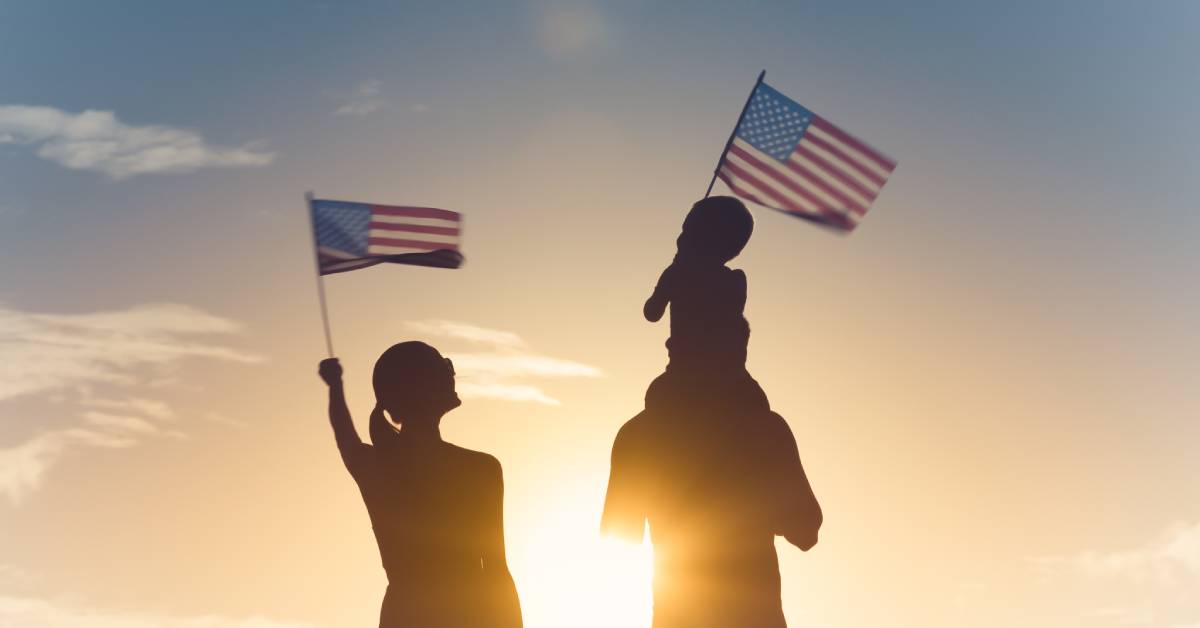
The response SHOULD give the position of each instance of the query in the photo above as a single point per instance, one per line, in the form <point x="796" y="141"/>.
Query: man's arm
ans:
<point x="501" y="591"/>
<point x="624" y="514"/>
<point x="353" y="450"/>
<point x="800" y="515"/>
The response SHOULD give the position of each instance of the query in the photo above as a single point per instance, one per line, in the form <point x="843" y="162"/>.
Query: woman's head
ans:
<point x="413" y="381"/>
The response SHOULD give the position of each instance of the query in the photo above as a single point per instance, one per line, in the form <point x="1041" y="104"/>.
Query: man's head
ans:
<point x="413" y="381"/>
<point x="717" y="228"/>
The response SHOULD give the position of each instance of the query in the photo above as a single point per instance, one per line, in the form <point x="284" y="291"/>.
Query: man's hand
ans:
<point x="804" y="541"/>
<point x="330" y="370"/>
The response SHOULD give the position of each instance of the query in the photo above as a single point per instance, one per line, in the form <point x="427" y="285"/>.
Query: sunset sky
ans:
<point x="992" y="381"/>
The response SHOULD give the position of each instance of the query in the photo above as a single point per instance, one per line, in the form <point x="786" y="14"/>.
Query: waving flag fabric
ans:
<point x="356" y="235"/>
<point x="788" y="158"/>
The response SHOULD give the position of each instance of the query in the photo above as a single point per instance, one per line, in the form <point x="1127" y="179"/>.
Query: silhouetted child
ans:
<point x="709" y="332"/>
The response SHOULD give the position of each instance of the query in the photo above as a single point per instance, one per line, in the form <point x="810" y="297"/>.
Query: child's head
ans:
<point x="413" y="381"/>
<point x="717" y="228"/>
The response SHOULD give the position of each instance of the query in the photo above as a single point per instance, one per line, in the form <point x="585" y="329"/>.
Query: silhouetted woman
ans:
<point x="437" y="509"/>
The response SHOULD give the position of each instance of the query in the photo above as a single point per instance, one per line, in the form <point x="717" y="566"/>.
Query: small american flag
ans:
<point x="788" y="158"/>
<point x="356" y="235"/>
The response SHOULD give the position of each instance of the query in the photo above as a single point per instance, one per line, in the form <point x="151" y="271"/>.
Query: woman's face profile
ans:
<point x="420" y="385"/>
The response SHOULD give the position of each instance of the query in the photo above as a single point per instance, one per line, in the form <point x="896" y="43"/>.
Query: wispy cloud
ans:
<point x="216" y="417"/>
<point x="507" y="392"/>
<point x="520" y="365"/>
<point x="23" y="467"/>
<point x="120" y="423"/>
<point x="364" y="100"/>
<point x="149" y="407"/>
<point x="70" y="353"/>
<point x="35" y="612"/>
<point x="98" y="141"/>
<point x="43" y="352"/>
<point x="1169" y="558"/>
<point x="468" y="332"/>
<point x="1150" y="584"/>
<point x="498" y="371"/>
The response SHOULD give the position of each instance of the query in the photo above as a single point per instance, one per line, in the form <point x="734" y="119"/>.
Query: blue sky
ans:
<point x="998" y="363"/>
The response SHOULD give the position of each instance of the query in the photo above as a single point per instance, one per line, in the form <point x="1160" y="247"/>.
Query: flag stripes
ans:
<point x="356" y="235"/>
<point x="786" y="157"/>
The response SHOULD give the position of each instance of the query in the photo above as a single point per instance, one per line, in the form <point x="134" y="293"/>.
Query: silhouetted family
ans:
<point x="713" y="471"/>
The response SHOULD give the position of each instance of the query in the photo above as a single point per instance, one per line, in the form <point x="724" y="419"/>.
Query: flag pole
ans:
<point x="733" y="133"/>
<point x="308" y="200"/>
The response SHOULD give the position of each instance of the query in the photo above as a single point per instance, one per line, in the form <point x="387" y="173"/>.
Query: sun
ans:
<point x="571" y="577"/>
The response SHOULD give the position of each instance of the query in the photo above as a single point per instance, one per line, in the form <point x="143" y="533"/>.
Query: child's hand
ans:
<point x="330" y="370"/>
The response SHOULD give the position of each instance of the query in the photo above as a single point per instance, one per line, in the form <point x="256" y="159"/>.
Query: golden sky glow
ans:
<point x="991" y="381"/>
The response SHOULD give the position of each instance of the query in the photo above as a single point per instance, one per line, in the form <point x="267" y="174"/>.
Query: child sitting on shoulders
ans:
<point x="709" y="332"/>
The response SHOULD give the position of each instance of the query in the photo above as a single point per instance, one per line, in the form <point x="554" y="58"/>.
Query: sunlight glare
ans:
<point x="572" y="580"/>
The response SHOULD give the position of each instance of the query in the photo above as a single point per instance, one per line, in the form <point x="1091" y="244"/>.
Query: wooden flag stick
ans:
<point x="308" y="207"/>
<point x="733" y="133"/>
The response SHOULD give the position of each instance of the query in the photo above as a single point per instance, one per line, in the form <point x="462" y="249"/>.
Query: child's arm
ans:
<point x="656" y="305"/>
<point x="353" y="450"/>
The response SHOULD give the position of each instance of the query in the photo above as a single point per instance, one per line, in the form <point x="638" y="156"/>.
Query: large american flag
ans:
<point x="356" y="235"/>
<point x="788" y="158"/>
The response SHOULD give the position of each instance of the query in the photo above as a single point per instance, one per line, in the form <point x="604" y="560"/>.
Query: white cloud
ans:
<point x="32" y="612"/>
<point x="217" y="417"/>
<point x="149" y="407"/>
<point x="120" y="423"/>
<point x="61" y="353"/>
<point x="419" y="108"/>
<point x="496" y="372"/>
<point x="1151" y="584"/>
<point x="43" y="352"/>
<point x="466" y="331"/>
<point x="364" y="100"/>
<point x="23" y="467"/>
<point x="520" y="365"/>
<point x="98" y="141"/>
<point x="508" y="392"/>
<point x="1171" y="557"/>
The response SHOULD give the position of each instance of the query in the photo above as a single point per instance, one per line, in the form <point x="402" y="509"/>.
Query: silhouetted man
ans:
<point x="437" y="509"/>
<point x="709" y="466"/>
<point x="715" y="488"/>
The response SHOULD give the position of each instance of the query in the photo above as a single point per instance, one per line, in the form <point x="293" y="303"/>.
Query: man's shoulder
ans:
<point x="646" y="433"/>
<point x="770" y="420"/>
<point x="770" y="434"/>
<point x="637" y="428"/>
